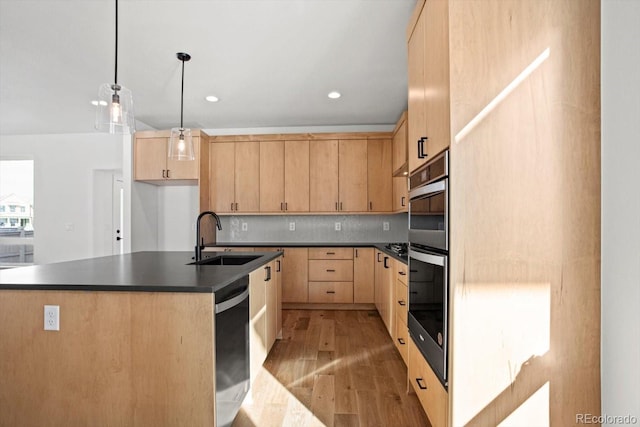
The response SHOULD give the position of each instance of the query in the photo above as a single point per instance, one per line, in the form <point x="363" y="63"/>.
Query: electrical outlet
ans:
<point x="245" y="226"/>
<point x="385" y="225"/>
<point x="338" y="226"/>
<point x="292" y="226"/>
<point x="51" y="317"/>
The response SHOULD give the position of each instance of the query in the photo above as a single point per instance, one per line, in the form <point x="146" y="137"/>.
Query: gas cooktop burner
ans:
<point x="399" y="248"/>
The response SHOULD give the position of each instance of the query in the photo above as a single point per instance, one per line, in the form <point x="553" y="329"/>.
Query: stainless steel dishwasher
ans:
<point x="232" y="350"/>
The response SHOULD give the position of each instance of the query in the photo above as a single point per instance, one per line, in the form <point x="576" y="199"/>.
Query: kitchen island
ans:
<point x="135" y="344"/>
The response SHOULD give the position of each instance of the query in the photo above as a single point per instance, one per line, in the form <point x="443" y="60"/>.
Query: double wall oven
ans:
<point x="428" y="262"/>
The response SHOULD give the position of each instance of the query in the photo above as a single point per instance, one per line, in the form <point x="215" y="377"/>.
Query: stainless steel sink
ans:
<point x="227" y="260"/>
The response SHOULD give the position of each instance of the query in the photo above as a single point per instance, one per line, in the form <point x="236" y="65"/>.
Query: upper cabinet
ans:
<point x="284" y="176"/>
<point x="152" y="164"/>
<point x="400" y="166"/>
<point x="235" y="176"/>
<point x="379" y="185"/>
<point x="429" y="105"/>
<point x="300" y="173"/>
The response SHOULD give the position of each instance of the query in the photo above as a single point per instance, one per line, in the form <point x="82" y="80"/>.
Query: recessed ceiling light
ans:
<point x="334" y="95"/>
<point x="212" y="98"/>
<point x="95" y="103"/>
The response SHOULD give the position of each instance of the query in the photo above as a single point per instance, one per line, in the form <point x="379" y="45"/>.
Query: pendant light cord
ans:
<point x="116" y="67"/>
<point x="182" y="97"/>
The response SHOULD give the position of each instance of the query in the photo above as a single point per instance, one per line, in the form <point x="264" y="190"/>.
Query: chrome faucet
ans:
<point x="200" y="240"/>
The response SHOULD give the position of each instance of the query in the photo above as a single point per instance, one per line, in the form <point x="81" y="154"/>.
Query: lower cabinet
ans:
<point x="265" y="312"/>
<point x="401" y="335"/>
<point x="331" y="275"/>
<point x="385" y="289"/>
<point x="432" y="395"/>
<point x="363" y="276"/>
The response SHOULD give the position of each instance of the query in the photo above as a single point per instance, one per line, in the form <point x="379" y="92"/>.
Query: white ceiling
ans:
<point x="271" y="62"/>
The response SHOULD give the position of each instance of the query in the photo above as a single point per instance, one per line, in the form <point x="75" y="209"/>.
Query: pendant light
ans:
<point x="114" y="110"/>
<point x="181" y="142"/>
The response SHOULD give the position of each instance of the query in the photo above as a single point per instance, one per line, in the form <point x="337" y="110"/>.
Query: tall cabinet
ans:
<point x="428" y="114"/>
<point x="513" y="89"/>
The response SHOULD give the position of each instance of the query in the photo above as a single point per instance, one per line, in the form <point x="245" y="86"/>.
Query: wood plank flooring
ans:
<point x="332" y="368"/>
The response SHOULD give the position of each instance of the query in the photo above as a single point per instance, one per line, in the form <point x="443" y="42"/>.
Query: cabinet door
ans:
<point x="150" y="158"/>
<point x="271" y="291"/>
<point x="400" y="194"/>
<point x="400" y="147"/>
<point x="378" y="279"/>
<point x="416" y="112"/>
<point x="295" y="275"/>
<point x="184" y="169"/>
<point x="363" y="275"/>
<point x="257" y="321"/>
<point x="437" y="104"/>
<point x="323" y="176"/>
<point x="379" y="175"/>
<point x="271" y="176"/>
<point x="247" y="176"/>
<point x="296" y="176"/>
<point x="221" y="176"/>
<point x="352" y="165"/>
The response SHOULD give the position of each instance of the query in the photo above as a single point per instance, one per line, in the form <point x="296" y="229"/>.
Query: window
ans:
<point x="17" y="225"/>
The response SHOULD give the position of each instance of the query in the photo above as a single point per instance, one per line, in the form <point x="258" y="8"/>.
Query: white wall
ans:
<point x="620" y="60"/>
<point x="64" y="196"/>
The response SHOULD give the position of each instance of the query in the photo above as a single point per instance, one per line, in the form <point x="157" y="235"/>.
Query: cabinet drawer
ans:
<point x="331" y="292"/>
<point x="402" y="272"/>
<point x="340" y="270"/>
<point x="401" y="300"/>
<point x="330" y="253"/>
<point x="432" y="395"/>
<point x="402" y="338"/>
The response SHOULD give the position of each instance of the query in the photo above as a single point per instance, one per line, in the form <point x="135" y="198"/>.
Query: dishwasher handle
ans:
<point x="232" y="302"/>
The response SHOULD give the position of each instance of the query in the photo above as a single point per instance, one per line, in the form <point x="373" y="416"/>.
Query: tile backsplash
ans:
<point x="313" y="228"/>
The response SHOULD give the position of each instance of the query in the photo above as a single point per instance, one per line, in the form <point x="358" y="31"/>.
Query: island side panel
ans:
<point x="120" y="358"/>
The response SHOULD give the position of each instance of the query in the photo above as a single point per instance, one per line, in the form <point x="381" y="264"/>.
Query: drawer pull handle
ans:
<point x="422" y="387"/>
<point x="401" y="341"/>
<point x="402" y="303"/>
<point x="331" y="292"/>
<point x="331" y="271"/>
<point x="331" y="253"/>
<point x="402" y="273"/>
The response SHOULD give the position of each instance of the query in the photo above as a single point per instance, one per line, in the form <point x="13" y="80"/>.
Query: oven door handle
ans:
<point x="428" y="258"/>
<point x="232" y="302"/>
<point x="428" y="190"/>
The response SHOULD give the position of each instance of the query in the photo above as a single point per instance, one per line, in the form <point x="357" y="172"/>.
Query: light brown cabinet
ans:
<point x="265" y="313"/>
<point x="432" y="395"/>
<point x="295" y="275"/>
<point x="384" y="289"/>
<point x="379" y="175"/>
<point x="152" y="164"/>
<point x="338" y="175"/>
<point x="400" y="146"/>
<point x="284" y="176"/>
<point x="323" y="176"/>
<point x="235" y="168"/>
<point x="400" y="166"/>
<point x="429" y="104"/>
<point x="401" y="331"/>
<point x="331" y="275"/>
<point x="363" y="276"/>
<point x="352" y="175"/>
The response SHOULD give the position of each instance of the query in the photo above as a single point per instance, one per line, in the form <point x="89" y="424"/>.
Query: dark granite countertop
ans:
<point x="380" y="246"/>
<point x="138" y="271"/>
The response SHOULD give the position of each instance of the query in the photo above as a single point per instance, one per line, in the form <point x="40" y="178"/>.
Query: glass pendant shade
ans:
<point x="181" y="145"/>
<point x="114" y="112"/>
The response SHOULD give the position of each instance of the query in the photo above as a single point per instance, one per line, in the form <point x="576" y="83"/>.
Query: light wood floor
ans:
<point x="332" y="368"/>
